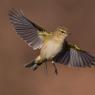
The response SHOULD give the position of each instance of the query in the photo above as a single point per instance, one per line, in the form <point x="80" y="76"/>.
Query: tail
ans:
<point x="33" y="65"/>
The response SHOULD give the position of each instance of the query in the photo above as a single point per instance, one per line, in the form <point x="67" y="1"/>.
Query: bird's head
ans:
<point x="62" y="32"/>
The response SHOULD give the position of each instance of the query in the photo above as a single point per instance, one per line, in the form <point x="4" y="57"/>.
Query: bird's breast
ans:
<point x="50" y="49"/>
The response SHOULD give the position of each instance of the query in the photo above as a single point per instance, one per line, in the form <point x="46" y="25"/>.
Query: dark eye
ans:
<point x="62" y="32"/>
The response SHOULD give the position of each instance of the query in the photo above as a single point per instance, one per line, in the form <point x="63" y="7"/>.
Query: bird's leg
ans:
<point x="55" y="68"/>
<point x="46" y="69"/>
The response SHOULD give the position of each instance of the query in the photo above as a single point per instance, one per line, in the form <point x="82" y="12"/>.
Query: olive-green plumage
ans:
<point x="53" y="45"/>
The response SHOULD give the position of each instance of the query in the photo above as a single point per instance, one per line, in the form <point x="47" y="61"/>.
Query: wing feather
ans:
<point x="66" y="57"/>
<point x="27" y="29"/>
<point x="75" y="57"/>
<point x="80" y="60"/>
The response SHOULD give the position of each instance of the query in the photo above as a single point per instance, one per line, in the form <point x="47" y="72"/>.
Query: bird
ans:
<point x="53" y="46"/>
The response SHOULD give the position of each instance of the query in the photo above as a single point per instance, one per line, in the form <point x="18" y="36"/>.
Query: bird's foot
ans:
<point x="55" y="68"/>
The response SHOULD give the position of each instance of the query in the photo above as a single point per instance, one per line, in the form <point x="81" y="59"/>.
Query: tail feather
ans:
<point x="32" y="65"/>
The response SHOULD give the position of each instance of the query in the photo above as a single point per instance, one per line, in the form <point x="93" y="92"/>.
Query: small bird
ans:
<point x="53" y="46"/>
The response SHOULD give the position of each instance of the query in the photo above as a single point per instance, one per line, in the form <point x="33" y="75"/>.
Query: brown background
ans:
<point x="78" y="16"/>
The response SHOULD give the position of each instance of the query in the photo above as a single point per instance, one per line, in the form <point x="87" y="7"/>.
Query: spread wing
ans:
<point x="71" y="55"/>
<point x="28" y="30"/>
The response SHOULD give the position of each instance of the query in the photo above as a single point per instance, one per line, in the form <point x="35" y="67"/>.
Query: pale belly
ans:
<point x="50" y="49"/>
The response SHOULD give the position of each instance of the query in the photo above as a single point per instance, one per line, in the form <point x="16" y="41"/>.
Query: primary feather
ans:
<point x="73" y="56"/>
<point x="33" y="34"/>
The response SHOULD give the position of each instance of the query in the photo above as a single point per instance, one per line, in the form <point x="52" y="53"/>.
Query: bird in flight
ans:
<point x="53" y="46"/>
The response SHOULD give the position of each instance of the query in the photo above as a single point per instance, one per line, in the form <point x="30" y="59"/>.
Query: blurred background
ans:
<point x="78" y="16"/>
